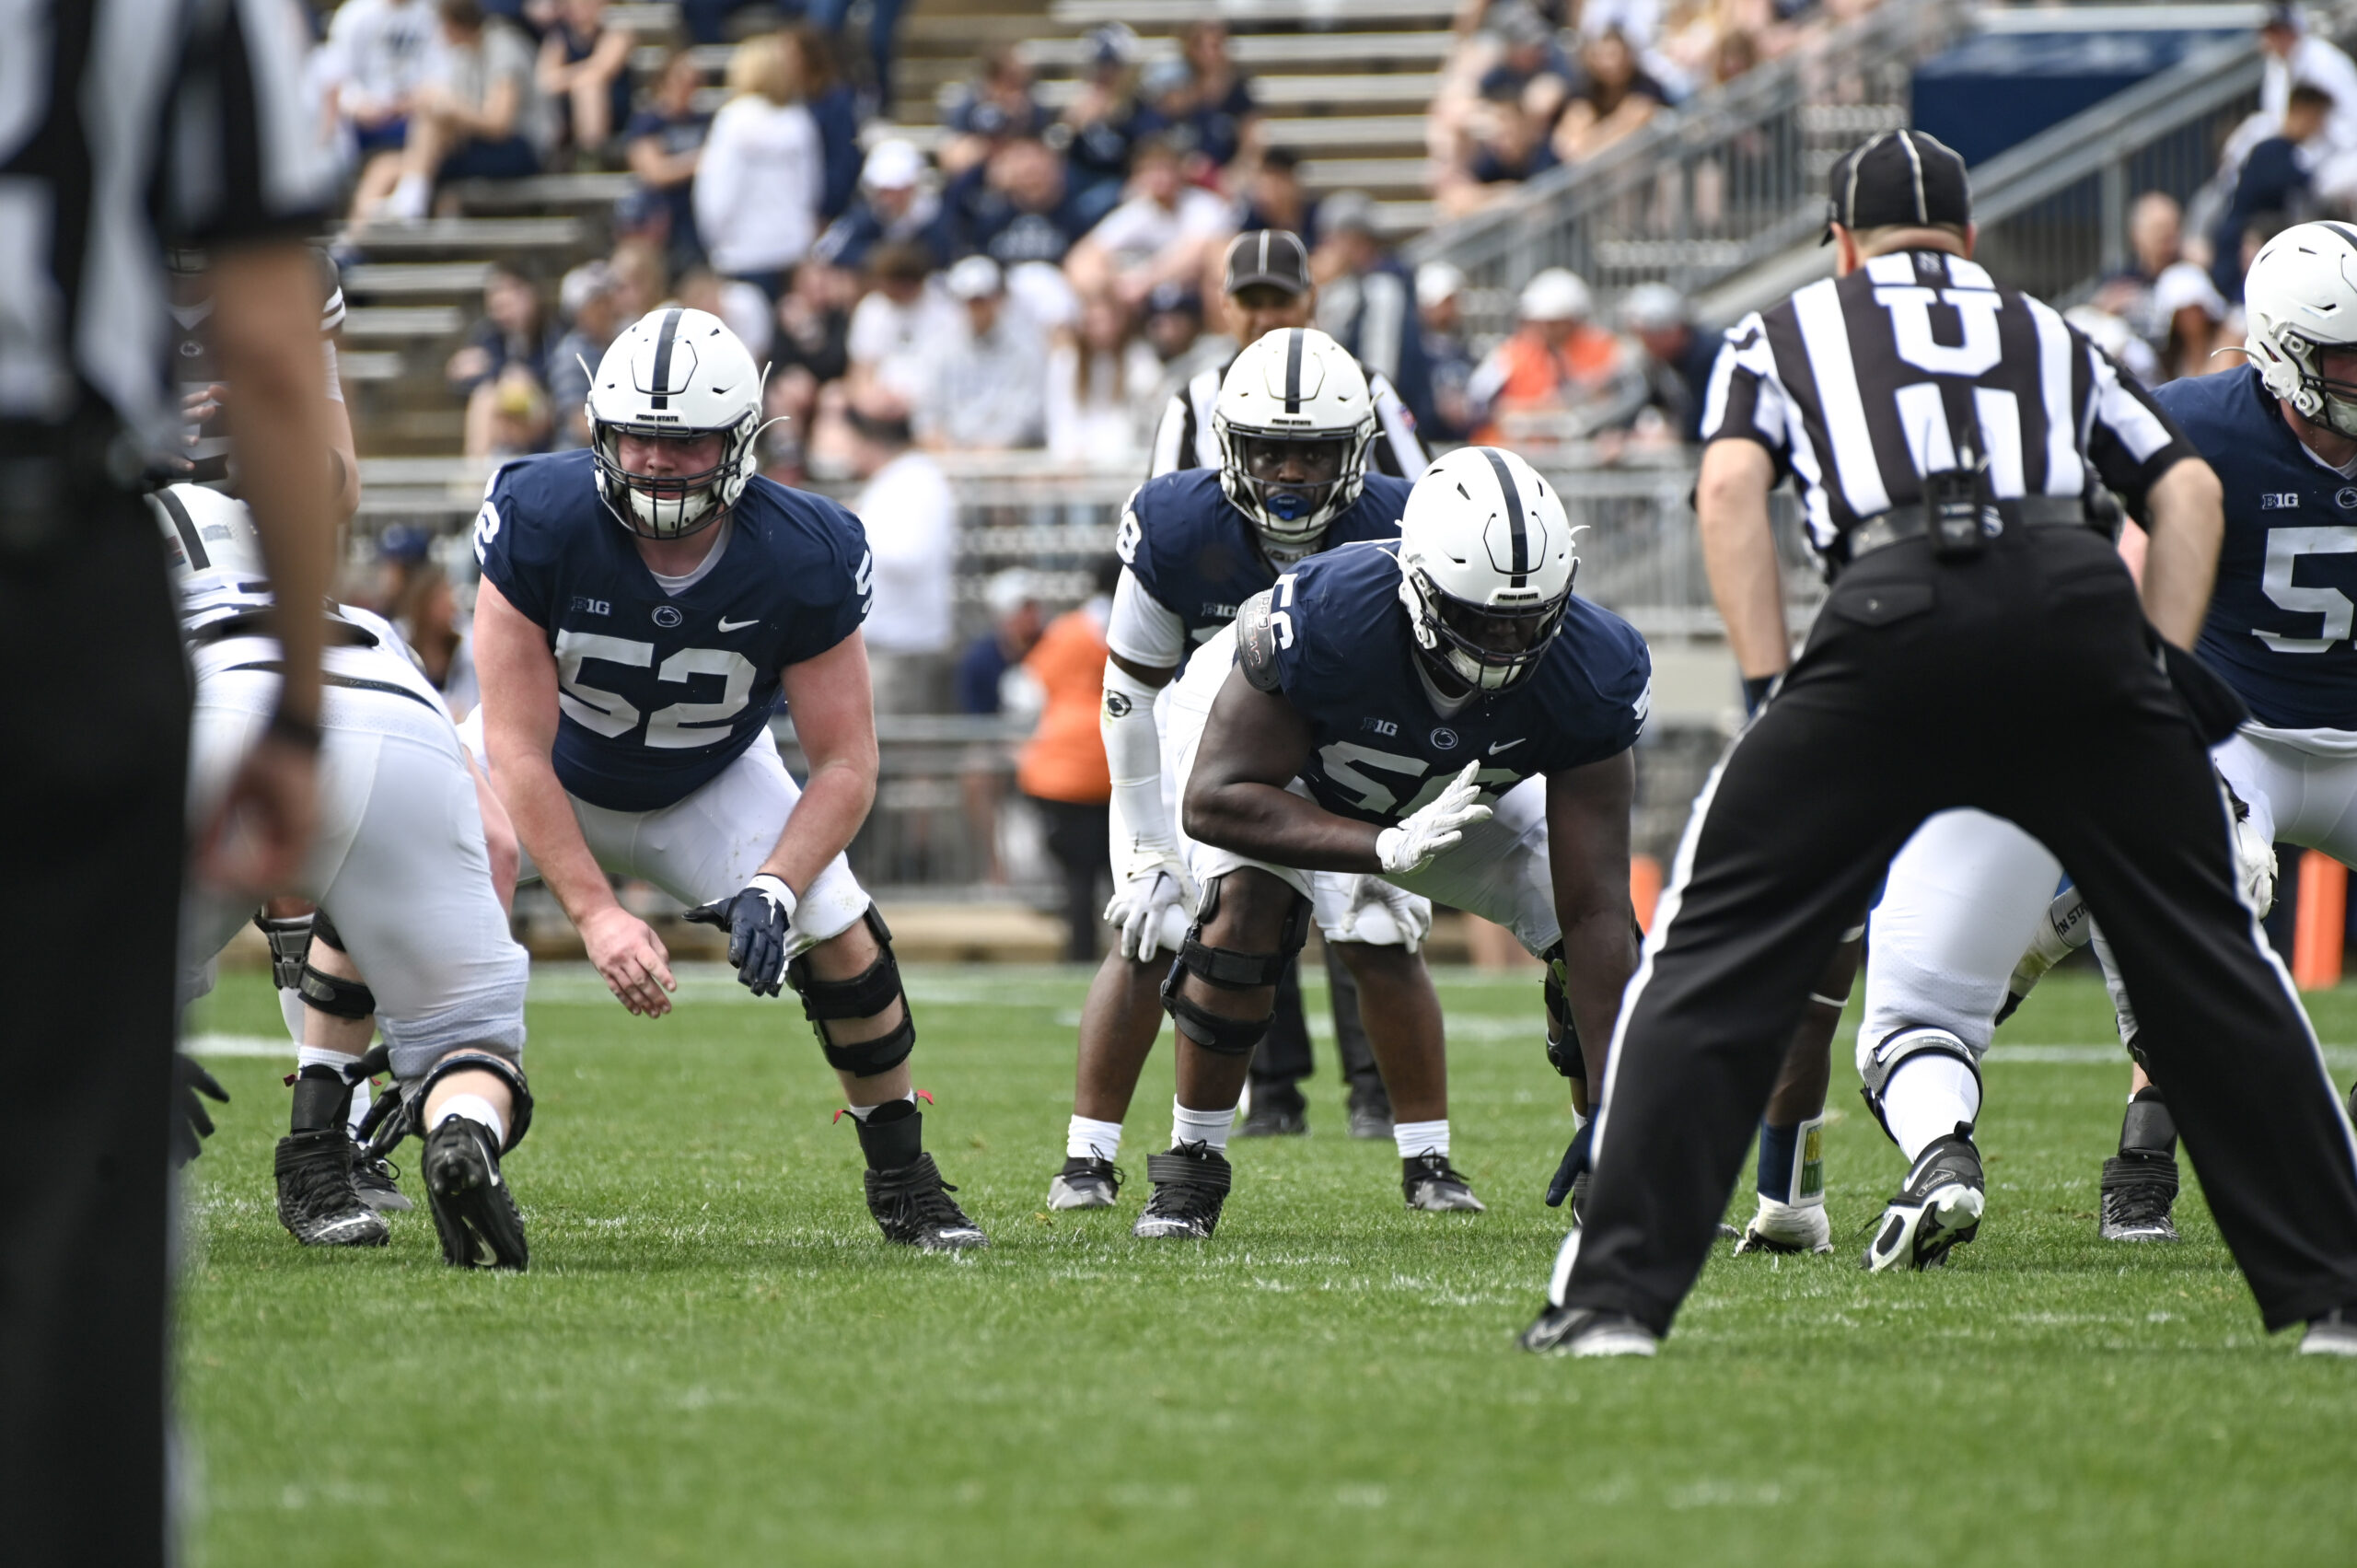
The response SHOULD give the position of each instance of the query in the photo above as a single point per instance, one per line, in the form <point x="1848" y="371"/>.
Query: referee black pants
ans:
<point x="94" y="714"/>
<point x="2023" y="683"/>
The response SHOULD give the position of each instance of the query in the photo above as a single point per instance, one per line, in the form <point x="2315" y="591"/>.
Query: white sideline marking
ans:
<point x="239" y="1045"/>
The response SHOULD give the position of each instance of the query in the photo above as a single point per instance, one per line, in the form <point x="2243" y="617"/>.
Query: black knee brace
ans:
<point x="334" y="995"/>
<point x="1230" y="970"/>
<point x="1898" y="1047"/>
<point x="415" y="1095"/>
<point x="290" y="944"/>
<point x="863" y="997"/>
<point x="1563" y="1034"/>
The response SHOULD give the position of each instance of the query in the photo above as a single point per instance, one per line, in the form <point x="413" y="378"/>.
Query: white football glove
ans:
<point x="2062" y="931"/>
<point x="1382" y="914"/>
<point x="1435" y="829"/>
<point x="2254" y="865"/>
<point x="1140" y="908"/>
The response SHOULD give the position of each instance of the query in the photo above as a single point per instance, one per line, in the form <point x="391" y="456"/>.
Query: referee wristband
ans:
<point x="302" y="732"/>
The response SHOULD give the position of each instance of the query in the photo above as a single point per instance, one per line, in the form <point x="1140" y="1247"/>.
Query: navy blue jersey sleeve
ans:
<point x="1134" y="545"/>
<point x="835" y="586"/>
<point x="506" y="537"/>
<point x="1612" y="672"/>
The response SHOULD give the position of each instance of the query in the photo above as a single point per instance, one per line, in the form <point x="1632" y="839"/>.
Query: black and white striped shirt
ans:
<point x="1859" y="387"/>
<point x="125" y="125"/>
<point x="1183" y="436"/>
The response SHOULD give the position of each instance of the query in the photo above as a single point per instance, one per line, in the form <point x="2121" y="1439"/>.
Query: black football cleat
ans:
<point x="316" y="1201"/>
<point x="1938" y="1210"/>
<point x="1432" y="1184"/>
<point x="1279" y="1113"/>
<point x="1584" y="1332"/>
<point x="913" y="1207"/>
<point x="474" y="1209"/>
<point x="1086" y="1182"/>
<point x="1190" y="1185"/>
<point x="2139" y="1189"/>
<point x="379" y="1183"/>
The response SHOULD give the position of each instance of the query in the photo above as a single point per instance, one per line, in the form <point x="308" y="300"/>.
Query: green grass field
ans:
<point x="715" y="1360"/>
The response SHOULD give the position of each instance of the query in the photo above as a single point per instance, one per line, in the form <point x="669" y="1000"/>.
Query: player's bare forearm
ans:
<point x="1253" y="744"/>
<point x="266" y="331"/>
<point x="2186" y="519"/>
<point x="519" y="719"/>
<point x="1739" y="554"/>
<point x="1587" y="848"/>
<point x="834" y="719"/>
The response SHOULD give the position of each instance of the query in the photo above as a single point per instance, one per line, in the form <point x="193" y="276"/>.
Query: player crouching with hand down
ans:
<point x="1388" y="710"/>
<point x="647" y="604"/>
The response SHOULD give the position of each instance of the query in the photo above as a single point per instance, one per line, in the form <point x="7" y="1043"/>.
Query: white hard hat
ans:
<point x="1292" y="384"/>
<point x="892" y="165"/>
<point x="1556" y="294"/>
<point x="1652" y="306"/>
<point x="2301" y="298"/>
<point x="1485" y="566"/>
<point x="676" y="373"/>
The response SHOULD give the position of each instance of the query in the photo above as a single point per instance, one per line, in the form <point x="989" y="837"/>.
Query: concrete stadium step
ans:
<point x="1372" y="175"/>
<point x="1354" y="132"/>
<point x="401" y="323"/>
<point x="1324" y="93"/>
<point x="465" y="237"/>
<point x="1248" y="13"/>
<point x="579" y="193"/>
<point x="379" y="280"/>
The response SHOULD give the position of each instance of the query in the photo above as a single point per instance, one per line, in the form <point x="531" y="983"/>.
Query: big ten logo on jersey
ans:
<point x="678" y="725"/>
<point x="1379" y="727"/>
<point x="2279" y="500"/>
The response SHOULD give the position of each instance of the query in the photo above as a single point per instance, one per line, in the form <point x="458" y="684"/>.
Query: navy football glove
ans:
<point x="757" y="920"/>
<point x="1575" y="1164"/>
<point x="193" y="1126"/>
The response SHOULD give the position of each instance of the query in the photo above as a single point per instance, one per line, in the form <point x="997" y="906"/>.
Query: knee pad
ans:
<point x="1896" y="1050"/>
<point x="863" y="997"/>
<point x="1230" y="970"/>
<point x="415" y="1095"/>
<point x="333" y="994"/>
<point x="290" y="944"/>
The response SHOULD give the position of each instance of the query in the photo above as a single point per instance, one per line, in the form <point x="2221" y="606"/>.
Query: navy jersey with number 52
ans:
<point x="2283" y="610"/>
<point x="1345" y="661"/>
<point x="1189" y="547"/>
<point x="657" y="694"/>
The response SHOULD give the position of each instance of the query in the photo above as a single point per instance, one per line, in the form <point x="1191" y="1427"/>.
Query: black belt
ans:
<point x="1904" y="523"/>
<point x="341" y="634"/>
<point x="329" y="678"/>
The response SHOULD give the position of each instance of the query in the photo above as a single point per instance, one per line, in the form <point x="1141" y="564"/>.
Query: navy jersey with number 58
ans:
<point x="1189" y="547"/>
<point x="2285" y="604"/>
<point x="1345" y="660"/>
<point x="657" y="693"/>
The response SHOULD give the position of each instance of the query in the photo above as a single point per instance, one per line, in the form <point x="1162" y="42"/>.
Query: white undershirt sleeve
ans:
<point x="1143" y="630"/>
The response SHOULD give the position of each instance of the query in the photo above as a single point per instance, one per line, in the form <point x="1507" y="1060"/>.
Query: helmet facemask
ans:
<point x="1292" y="483"/>
<point x="1484" y="647"/>
<point x="2331" y="403"/>
<point x="674" y="506"/>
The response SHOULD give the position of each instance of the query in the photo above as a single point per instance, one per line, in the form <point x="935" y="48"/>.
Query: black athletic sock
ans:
<point x="322" y="1099"/>
<point x="2148" y="1127"/>
<point x="892" y="1136"/>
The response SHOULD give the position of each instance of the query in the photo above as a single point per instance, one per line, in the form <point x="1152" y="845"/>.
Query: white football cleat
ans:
<point x="1787" y="1228"/>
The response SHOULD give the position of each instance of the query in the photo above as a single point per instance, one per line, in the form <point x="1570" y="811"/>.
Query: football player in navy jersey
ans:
<point x="647" y="604"/>
<point x="1389" y="711"/>
<point x="1293" y="421"/>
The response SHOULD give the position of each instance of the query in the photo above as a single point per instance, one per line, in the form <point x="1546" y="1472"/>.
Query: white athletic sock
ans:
<point x="1201" y="1126"/>
<point x="359" y="1112"/>
<point x="1086" y="1140"/>
<point x="862" y="1113"/>
<point x="1421" y="1138"/>
<point x="314" y="1056"/>
<point x="475" y="1109"/>
<point x="1924" y="1100"/>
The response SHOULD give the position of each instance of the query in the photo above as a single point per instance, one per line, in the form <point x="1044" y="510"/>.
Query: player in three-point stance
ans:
<point x="1387" y="710"/>
<point x="404" y="883"/>
<point x="647" y="604"/>
<point x="1294" y="422"/>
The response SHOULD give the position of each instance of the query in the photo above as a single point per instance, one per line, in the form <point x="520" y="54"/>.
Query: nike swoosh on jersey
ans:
<point x="727" y="625"/>
<point x="1498" y="746"/>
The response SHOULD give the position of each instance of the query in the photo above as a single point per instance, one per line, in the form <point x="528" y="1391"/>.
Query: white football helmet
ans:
<point x="206" y="531"/>
<point x="2301" y="298"/>
<point x="675" y="373"/>
<point x="1485" y="566"/>
<point x="1295" y="386"/>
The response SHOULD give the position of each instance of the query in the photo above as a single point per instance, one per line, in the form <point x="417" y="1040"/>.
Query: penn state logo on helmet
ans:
<point x="1293" y="421"/>
<point x="1485" y="567"/>
<point x="675" y="376"/>
<point x="2301" y="299"/>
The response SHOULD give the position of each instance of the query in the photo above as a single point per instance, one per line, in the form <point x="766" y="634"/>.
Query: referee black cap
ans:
<point x="1901" y="178"/>
<point x="1271" y="256"/>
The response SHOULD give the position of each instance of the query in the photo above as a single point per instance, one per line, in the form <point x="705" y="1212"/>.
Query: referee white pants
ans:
<point x="709" y="843"/>
<point x="398" y="866"/>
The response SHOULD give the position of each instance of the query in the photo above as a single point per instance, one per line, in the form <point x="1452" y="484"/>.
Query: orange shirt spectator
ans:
<point x="1557" y="360"/>
<point x="1065" y="759"/>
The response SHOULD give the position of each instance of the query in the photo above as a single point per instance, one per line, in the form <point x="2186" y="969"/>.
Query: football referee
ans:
<point x="1982" y="645"/>
<point x="128" y="124"/>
